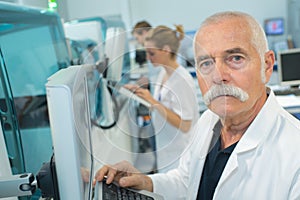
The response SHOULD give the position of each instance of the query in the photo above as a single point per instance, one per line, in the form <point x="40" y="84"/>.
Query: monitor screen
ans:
<point x="274" y="26"/>
<point x="68" y="107"/>
<point x="289" y="67"/>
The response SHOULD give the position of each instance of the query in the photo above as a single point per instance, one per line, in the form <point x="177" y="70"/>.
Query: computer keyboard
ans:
<point x="288" y="91"/>
<point x="114" y="192"/>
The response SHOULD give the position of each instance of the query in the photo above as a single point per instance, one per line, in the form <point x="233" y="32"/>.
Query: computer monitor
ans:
<point x="289" y="67"/>
<point x="68" y="107"/>
<point x="274" y="26"/>
<point x="107" y="39"/>
<point x="90" y="35"/>
<point x="115" y="51"/>
<point x="140" y="56"/>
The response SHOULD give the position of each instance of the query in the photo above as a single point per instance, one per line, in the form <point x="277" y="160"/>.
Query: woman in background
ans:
<point x="174" y="107"/>
<point x="140" y="31"/>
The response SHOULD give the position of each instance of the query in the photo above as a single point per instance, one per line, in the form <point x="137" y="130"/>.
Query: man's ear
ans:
<point x="269" y="60"/>
<point x="269" y="64"/>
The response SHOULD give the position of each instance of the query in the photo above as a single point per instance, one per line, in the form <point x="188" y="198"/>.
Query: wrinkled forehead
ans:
<point x="213" y="38"/>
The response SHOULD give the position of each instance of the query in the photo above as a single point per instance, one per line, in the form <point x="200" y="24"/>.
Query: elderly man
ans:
<point x="246" y="145"/>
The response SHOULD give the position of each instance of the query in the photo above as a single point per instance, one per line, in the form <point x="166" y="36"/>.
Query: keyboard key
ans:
<point x="114" y="192"/>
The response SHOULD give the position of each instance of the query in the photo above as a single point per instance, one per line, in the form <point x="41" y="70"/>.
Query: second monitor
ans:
<point x="289" y="67"/>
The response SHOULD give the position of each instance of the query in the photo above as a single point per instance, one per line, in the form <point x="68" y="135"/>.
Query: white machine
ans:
<point x="69" y="114"/>
<point x="13" y="185"/>
<point x="79" y="146"/>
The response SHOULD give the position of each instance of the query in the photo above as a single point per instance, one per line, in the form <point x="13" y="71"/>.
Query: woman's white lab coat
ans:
<point x="265" y="164"/>
<point x="178" y="94"/>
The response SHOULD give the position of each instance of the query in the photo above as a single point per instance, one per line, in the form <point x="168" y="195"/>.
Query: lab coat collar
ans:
<point x="258" y="131"/>
<point x="254" y="136"/>
<point x="209" y="119"/>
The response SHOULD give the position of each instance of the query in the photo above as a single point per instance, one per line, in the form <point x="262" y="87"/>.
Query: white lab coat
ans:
<point x="265" y="164"/>
<point x="178" y="94"/>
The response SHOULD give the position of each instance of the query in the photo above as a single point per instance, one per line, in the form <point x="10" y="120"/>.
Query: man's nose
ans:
<point x="221" y="71"/>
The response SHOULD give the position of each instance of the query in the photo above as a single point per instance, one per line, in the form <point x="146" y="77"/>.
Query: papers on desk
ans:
<point x="288" y="101"/>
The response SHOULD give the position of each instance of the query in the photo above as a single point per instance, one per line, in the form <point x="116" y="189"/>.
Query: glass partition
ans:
<point x="33" y="47"/>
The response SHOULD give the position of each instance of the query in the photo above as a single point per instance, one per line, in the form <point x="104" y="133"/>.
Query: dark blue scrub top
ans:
<point x="214" y="165"/>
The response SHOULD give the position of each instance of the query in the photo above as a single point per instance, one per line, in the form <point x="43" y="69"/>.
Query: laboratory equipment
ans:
<point x="33" y="47"/>
<point x="17" y="185"/>
<point x="68" y="104"/>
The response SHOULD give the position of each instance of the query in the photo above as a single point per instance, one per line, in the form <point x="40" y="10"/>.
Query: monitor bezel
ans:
<point x="280" y="71"/>
<point x="64" y="130"/>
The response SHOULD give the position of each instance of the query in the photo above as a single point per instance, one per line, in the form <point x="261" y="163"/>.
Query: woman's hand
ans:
<point x="142" y="92"/>
<point x="145" y="94"/>
<point x="131" y="87"/>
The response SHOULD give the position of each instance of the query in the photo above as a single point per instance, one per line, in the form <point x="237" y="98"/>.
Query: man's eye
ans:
<point x="206" y="63"/>
<point x="237" y="58"/>
<point x="236" y="61"/>
<point x="206" y="66"/>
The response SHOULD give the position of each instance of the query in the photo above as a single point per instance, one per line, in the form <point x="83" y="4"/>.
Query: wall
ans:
<point x="294" y="21"/>
<point x="31" y="3"/>
<point x="34" y="3"/>
<point x="77" y="9"/>
<point x="189" y="13"/>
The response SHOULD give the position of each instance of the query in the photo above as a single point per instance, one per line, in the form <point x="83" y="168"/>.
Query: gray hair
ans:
<point x="258" y="36"/>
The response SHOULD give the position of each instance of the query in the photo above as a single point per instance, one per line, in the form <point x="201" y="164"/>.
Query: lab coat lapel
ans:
<point x="247" y="144"/>
<point x="200" y="151"/>
<point x="206" y="126"/>
<point x="256" y="133"/>
<point x="233" y="165"/>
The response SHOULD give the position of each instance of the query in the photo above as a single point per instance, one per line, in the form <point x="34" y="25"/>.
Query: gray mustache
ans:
<point x="224" y="90"/>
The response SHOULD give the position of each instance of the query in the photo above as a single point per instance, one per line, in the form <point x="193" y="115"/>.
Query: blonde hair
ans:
<point x="164" y="36"/>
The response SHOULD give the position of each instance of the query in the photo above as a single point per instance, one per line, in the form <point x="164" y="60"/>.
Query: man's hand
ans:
<point x="125" y="175"/>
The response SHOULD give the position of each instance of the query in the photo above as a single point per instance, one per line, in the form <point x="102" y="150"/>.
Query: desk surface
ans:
<point x="290" y="102"/>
